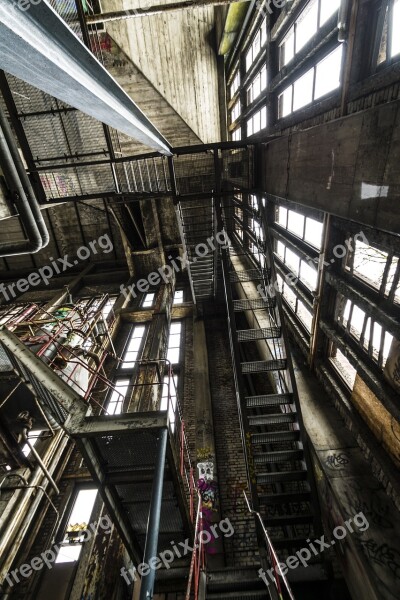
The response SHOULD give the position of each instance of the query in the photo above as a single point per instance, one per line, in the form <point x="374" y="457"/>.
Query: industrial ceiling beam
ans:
<point x="39" y="48"/>
<point x="156" y="9"/>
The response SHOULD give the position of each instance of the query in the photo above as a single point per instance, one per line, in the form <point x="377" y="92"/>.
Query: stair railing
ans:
<point x="197" y="562"/>
<point x="273" y="556"/>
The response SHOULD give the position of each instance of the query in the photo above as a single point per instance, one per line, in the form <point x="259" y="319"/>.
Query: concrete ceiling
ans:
<point x="176" y="52"/>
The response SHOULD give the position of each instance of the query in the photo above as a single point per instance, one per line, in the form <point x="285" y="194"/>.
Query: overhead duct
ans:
<point x="38" y="47"/>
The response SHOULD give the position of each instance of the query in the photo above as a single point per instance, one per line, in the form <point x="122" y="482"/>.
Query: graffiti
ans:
<point x="208" y="489"/>
<point x="383" y="555"/>
<point x="204" y="453"/>
<point x="337" y="461"/>
<point x="374" y="509"/>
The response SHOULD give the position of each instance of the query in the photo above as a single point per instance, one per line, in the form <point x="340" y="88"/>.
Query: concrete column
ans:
<point x="206" y="468"/>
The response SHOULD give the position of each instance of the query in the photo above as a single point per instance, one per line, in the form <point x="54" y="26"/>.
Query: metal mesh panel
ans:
<point x="238" y="166"/>
<point x="275" y="436"/>
<point x="271" y="400"/>
<point x="251" y="335"/>
<point x="5" y="363"/>
<point x="195" y="173"/>
<point x="250" y="275"/>
<point x="136" y="451"/>
<point x="273" y="419"/>
<point x="284" y="476"/>
<point x="262" y="366"/>
<point x="68" y="12"/>
<point x="77" y="181"/>
<point x="256" y="304"/>
<point x="274" y="457"/>
<point x="30" y="99"/>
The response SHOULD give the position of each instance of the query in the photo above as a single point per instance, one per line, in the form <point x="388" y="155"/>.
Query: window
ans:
<point x="178" y="297"/>
<point x="107" y="308"/>
<point x="258" y="42"/>
<point x="370" y="264"/>
<point x="235" y="85"/>
<point x="371" y="335"/>
<point x="148" y="300"/>
<point x="33" y="438"/>
<point x="257" y="122"/>
<point x="237" y="135"/>
<point x="395" y="49"/>
<point x="314" y="16"/>
<point x="298" y="307"/>
<point x="306" y="25"/>
<point x="305" y="271"/>
<point x="257" y="86"/>
<point x="235" y="113"/>
<point x="390" y="31"/>
<point x="116" y="401"/>
<point x="174" y="342"/>
<point x="133" y="347"/>
<point x="327" y="74"/>
<point x="79" y="521"/>
<point x="170" y="393"/>
<point x="322" y="79"/>
<point x="306" y="228"/>
<point x="342" y="365"/>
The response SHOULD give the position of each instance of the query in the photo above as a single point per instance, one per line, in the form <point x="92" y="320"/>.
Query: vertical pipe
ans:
<point x="153" y="525"/>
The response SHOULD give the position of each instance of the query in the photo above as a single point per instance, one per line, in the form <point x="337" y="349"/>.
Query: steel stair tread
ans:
<point x="253" y="304"/>
<point x="283" y="497"/>
<point x="263" y="366"/>
<point x="268" y="400"/>
<point x="270" y="437"/>
<point x="293" y="519"/>
<point x="274" y="419"/>
<point x="278" y="456"/>
<point x="250" y="275"/>
<point x="251" y="335"/>
<point x="281" y="476"/>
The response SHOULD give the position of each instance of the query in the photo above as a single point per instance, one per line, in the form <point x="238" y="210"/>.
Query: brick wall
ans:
<point x="241" y="548"/>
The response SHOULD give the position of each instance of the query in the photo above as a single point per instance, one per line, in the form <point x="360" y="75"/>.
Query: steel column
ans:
<point x="38" y="47"/>
<point x="153" y="525"/>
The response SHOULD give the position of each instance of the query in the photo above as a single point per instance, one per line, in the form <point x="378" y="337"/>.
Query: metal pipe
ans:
<point x="155" y="10"/>
<point x="34" y="242"/>
<point x="31" y="197"/>
<point x="10" y="394"/>
<point x="43" y="467"/>
<point x="153" y="525"/>
<point x="22" y="506"/>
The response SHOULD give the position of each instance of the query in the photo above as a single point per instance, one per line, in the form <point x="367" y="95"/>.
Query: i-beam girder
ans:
<point x="38" y="47"/>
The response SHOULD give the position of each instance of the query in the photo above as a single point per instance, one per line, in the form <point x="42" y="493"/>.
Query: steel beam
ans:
<point x="157" y="9"/>
<point x="59" y="389"/>
<point x="38" y="47"/>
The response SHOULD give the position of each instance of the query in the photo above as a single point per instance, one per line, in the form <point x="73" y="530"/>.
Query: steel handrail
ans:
<point x="272" y="551"/>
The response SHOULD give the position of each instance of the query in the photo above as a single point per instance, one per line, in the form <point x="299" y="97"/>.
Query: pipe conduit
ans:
<point x="23" y="195"/>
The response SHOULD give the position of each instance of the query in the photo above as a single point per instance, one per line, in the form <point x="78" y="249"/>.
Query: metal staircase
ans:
<point x="125" y="453"/>
<point x="275" y="442"/>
